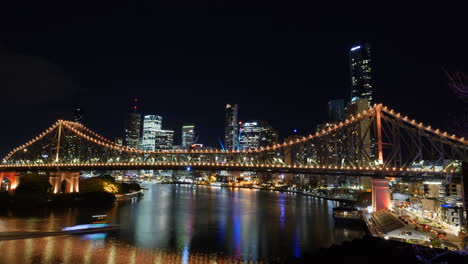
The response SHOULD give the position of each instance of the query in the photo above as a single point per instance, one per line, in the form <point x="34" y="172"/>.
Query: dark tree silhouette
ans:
<point x="458" y="82"/>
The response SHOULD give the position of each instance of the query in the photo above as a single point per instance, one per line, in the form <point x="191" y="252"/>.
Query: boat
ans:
<point x="90" y="228"/>
<point x="100" y="224"/>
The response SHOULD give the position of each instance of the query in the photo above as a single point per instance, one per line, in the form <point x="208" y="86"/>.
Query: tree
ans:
<point x="34" y="183"/>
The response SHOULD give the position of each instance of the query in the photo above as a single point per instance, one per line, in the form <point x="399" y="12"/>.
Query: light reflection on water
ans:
<point x="177" y="224"/>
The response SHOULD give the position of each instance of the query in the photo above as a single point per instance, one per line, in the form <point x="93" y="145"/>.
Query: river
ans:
<point x="178" y="224"/>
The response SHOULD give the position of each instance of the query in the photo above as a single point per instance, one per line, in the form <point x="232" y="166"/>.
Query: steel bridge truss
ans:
<point x="375" y="139"/>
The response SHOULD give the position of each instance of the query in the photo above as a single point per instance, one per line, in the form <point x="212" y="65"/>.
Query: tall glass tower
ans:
<point x="188" y="136"/>
<point x="336" y="110"/>
<point x="231" y="128"/>
<point x="361" y="72"/>
<point x="151" y="124"/>
<point x="132" y="127"/>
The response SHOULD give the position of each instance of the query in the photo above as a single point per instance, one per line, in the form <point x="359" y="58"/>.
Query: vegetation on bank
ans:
<point x="36" y="191"/>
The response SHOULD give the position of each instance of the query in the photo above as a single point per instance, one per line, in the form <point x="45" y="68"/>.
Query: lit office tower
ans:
<point x="164" y="139"/>
<point x="231" y="128"/>
<point x="188" y="136"/>
<point x="151" y="124"/>
<point x="257" y="134"/>
<point x="78" y="115"/>
<point x="360" y="66"/>
<point x="132" y="127"/>
<point x="336" y="110"/>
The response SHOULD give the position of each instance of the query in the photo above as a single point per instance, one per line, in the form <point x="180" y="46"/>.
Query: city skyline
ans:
<point x="147" y="132"/>
<point x="292" y="76"/>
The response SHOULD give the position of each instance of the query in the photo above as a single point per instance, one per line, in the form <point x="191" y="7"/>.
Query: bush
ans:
<point x="129" y="187"/>
<point x="88" y="199"/>
<point x="34" y="183"/>
<point x="97" y="199"/>
<point x="5" y="200"/>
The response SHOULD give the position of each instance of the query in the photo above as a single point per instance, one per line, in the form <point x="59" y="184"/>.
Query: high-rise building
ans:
<point x="188" y="136"/>
<point x="336" y="110"/>
<point x="151" y="124"/>
<point x="164" y="139"/>
<point x="250" y="135"/>
<point x="268" y="136"/>
<point x="361" y="72"/>
<point x="118" y="141"/>
<point x="78" y="115"/>
<point x="132" y="127"/>
<point x="359" y="146"/>
<point x="257" y="134"/>
<point x="231" y="130"/>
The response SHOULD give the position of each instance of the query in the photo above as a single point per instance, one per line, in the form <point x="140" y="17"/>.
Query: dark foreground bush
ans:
<point x="5" y="200"/>
<point x="87" y="199"/>
<point x="31" y="199"/>
<point x="97" y="199"/>
<point x="129" y="187"/>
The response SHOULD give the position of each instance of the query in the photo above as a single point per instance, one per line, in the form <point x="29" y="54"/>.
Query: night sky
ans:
<point x="185" y="62"/>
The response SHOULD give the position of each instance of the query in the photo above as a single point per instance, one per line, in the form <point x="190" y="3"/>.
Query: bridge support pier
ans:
<point x="381" y="194"/>
<point x="9" y="180"/>
<point x="71" y="180"/>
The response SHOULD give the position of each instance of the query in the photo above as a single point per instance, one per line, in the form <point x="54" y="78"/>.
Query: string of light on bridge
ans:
<point x="100" y="140"/>
<point x="231" y="166"/>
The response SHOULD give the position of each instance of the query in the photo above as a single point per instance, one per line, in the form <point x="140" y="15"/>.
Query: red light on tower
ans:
<point x="135" y="100"/>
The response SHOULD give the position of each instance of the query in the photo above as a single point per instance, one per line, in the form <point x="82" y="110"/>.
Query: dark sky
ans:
<point x="280" y="63"/>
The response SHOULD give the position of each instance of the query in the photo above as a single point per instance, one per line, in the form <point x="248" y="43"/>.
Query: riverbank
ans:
<point x="126" y="196"/>
<point x="283" y="190"/>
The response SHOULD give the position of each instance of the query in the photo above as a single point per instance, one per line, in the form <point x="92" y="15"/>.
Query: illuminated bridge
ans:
<point x="376" y="142"/>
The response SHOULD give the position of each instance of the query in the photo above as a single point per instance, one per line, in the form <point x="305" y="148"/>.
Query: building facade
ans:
<point x="231" y="129"/>
<point x="78" y="115"/>
<point x="361" y="72"/>
<point x="188" y="136"/>
<point x="336" y="110"/>
<point x="132" y="130"/>
<point x="151" y="124"/>
<point x="164" y="139"/>
<point x="255" y="134"/>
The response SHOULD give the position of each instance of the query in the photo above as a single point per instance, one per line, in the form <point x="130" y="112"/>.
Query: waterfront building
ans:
<point x="361" y="72"/>
<point x="231" y="129"/>
<point x="151" y="124"/>
<point x="188" y="136"/>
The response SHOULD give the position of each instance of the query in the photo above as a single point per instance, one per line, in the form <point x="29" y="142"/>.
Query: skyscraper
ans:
<point x="257" y="134"/>
<point x="361" y="72"/>
<point x="188" y="136"/>
<point x="132" y="127"/>
<point x="336" y="110"/>
<point x="164" y="139"/>
<point x="231" y="128"/>
<point x="151" y="124"/>
<point x="78" y="115"/>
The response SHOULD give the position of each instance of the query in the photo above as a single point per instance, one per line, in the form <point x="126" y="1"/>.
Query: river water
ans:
<point x="178" y="224"/>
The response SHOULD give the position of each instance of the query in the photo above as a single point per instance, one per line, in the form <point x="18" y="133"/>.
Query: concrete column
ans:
<point x="55" y="181"/>
<point x="16" y="182"/>
<point x="71" y="181"/>
<point x="12" y="176"/>
<point x="76" y="183"/>
<point x="381" y="194"/>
